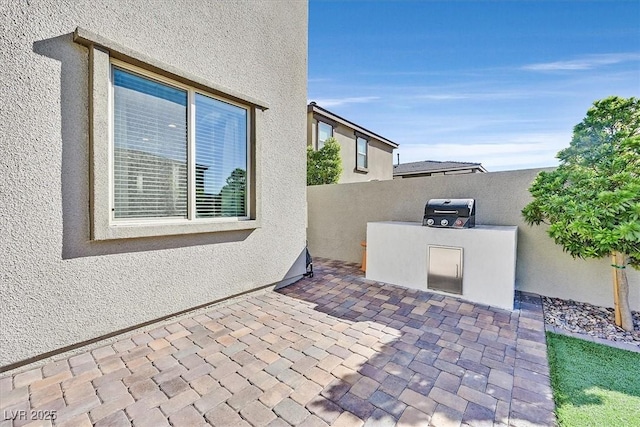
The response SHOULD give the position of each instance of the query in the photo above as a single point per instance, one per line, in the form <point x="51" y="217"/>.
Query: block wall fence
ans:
<point x="338" y="216"/>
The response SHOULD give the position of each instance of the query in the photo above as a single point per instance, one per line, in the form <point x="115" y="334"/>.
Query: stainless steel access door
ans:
<point x="444" y="271"/>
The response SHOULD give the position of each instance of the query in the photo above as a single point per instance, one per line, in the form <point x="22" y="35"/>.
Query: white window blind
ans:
<point x="221" y="158"/>
<point x="152" y="140"/>
<point x="150" y="148"/>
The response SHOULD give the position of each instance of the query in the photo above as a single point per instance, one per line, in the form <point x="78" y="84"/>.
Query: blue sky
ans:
<point x="497" y="82"/>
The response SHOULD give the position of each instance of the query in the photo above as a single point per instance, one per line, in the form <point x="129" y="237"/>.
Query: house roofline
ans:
<point x="315" y="108"/>
<point x="457" y="168"/>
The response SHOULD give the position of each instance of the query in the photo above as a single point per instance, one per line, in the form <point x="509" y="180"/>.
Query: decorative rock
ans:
<point x="588" y="319"/>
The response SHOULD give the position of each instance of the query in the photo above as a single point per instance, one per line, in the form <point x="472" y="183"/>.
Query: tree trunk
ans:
<point x="623" y="291"/>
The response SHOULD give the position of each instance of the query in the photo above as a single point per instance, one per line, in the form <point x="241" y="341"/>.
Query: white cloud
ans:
<point x="516" y="152"/>
<point x="441" y="96"/>
<point x="488" y="95"/>
<point x="587" y="62"/>
<point x="333" y="102"/>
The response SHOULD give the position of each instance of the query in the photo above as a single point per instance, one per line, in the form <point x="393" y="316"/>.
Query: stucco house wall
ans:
<point x="59" y="287"/>
<point x="338" y="216"/>
<point x="380" y="158"/>
<point x="380" y="154"/>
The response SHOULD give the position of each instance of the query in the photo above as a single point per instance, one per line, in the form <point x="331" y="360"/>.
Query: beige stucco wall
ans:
<point x="338" y="216"/>
<point x="59" y="288"/>
<point x="380" y="155"/>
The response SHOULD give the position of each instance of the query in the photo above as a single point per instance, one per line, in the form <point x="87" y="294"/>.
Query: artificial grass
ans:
<point x="593" y="384"/>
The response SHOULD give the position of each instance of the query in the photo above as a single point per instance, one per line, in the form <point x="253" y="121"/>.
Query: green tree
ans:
<point x="592" y="200"/>
<point x="233" y="194"/>
<point x="324" y="166"/>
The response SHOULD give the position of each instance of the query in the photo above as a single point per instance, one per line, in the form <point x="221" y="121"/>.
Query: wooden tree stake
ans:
<point x="616" y="298"/>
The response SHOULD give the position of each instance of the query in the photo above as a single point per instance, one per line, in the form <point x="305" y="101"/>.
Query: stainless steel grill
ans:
<point x="450" y="213"/>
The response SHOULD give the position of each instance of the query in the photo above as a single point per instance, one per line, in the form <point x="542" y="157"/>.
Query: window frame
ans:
<point x="101" y="52"/>
<point x="358" y="168"/>
<point x="318" y="132"/>
<point x="191" y="147"/>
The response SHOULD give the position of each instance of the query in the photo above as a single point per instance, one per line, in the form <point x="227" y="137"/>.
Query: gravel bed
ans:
<point x="588" y="319"/>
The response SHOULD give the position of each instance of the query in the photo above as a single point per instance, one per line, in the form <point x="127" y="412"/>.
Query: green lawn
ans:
<point x="593" y="384"/>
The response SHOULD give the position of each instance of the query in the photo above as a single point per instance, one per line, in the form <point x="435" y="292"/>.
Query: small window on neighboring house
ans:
<point x="325" y="131"/>
<point x="362" y="146"/>
<point x="161" y="132"/>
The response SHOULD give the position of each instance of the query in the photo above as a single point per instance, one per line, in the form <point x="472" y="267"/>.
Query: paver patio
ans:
<point x="333" y="350"/>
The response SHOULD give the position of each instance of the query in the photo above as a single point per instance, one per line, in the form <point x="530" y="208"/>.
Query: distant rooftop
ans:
<point x="432" y="166"/>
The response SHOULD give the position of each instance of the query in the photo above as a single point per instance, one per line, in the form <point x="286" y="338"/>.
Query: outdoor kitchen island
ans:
<point x="481" y="259"/>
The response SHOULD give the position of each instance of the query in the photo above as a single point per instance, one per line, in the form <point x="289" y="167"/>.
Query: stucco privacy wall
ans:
<point x="59" y="288"/>
<point x="338" y="216"/>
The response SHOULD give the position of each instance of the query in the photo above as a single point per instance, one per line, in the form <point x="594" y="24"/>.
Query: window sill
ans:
<point x="361" y="170"/>
<point x="131" y="231"/>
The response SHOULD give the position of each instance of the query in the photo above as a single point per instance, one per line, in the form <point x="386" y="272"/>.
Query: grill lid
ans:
<point x="450" y="207"/>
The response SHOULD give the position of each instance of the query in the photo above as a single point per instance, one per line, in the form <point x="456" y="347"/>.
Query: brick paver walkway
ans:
<point x="333" y="350"/>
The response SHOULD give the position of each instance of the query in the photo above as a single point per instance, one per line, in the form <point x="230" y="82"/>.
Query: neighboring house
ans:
<point x="142" y="172"/>
<point x="432" y="168"/>
<point x="366" y="156"/>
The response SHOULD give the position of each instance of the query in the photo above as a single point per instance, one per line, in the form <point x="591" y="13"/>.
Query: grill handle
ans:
<point x="445" y="212"/>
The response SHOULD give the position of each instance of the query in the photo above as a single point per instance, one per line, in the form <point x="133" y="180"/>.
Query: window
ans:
<point x="156" y="125"/>
<point x="362" y="146"/>
<point x="170" y="152"/>
<point x="150" y="177"/>
<point x="325" y="131"/>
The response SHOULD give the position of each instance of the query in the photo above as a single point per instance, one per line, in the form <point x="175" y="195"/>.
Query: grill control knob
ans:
<point x="430" y="221"/>
<point x="444" y="222"/>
